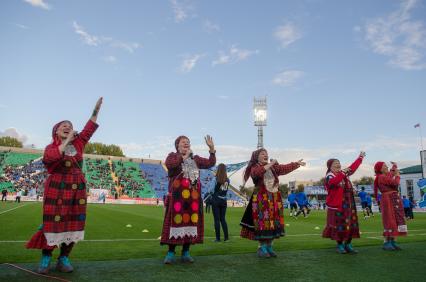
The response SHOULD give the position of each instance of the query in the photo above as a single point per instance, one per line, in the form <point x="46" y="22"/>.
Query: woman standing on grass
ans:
<point x="64" y="201"/>
<point x="263" y="219"/>
<point x="387" y="182"/>
<point x="342" y="220"/>
<point x="184" y="220"/>
<point x="219" y="202"/>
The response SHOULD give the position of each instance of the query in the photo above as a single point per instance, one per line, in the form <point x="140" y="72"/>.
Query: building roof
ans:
<point x="411" y="169"/>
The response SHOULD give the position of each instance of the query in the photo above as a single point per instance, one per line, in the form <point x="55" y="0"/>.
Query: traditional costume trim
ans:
<point x="181" y="232"/>
<point x="56" y="239"/>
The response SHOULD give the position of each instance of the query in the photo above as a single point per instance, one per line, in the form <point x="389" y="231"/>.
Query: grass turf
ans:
<point x="119" y="252"/>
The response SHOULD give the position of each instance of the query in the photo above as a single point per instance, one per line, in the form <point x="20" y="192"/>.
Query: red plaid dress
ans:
<point x="391" y="206"/>
<point x="65" y="198"/>
<point x="342" y="219"/>
<point x="263" y="218"/>
<point x="184" y="218"/>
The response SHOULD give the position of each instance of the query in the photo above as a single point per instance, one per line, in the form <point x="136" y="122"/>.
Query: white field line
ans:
<point x="23" y="205"/>
<point x="157" y="239"/>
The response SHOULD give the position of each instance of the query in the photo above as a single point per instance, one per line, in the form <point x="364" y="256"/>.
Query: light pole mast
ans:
<point x="260" y="117"/>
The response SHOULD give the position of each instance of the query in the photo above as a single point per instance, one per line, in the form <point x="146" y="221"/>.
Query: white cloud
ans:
<point x="234" y="55"/>
<point x="398" y="37"/>
<point x="85" y="36"/>
<point x="94" y="40"/>
<point x="181" y="10"/>
<point x="12" y="132"/>
<point x="189" y="62"/>
<point x="109" y="59"/>
<point x="287" y="78"/>
<point x="223" y="97"/>
<point x="210" y="26"/>
<point x="287" y="34"/>
<point x="39" y="4"/>
<point x="21" y="26"/>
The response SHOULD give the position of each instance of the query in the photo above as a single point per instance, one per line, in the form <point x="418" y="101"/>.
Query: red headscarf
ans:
<point x="378" y="170"/>
<point x="56" y="139"/>
<point x="253" y="161"/>
<point x="178" y="140"/>
<point x="329" y="164"/>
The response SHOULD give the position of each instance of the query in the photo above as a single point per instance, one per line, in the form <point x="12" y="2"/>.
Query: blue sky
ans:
<point x="340" y="76"/>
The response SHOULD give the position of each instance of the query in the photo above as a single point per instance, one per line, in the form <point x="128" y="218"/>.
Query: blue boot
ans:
<point x="186" y="257"/>
<point x="395" y="246"/>
<point x="64" y="265"/>
<point x="44" y="265"/>
<point x="262" y="252"/>
<point x="340" y="249"/>
<point x="170" y="258"/>
<point x="387" y="246"/>
<point x="270" y="251"/>
<point x="349" y="249"/>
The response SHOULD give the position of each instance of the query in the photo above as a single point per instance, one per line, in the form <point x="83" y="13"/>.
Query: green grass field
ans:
<point x="112" y="251"/>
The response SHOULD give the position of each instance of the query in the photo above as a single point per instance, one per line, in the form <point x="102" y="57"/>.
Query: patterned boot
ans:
<point x="64" y="265"/>
<point x="44" y="265"/>
<point x="170" y="258"/>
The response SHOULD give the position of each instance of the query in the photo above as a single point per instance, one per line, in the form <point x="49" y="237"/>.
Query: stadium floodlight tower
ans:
<point x="260" y="115"/>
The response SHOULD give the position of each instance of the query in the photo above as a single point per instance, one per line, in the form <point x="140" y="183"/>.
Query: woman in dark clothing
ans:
<point x="219" y="202"/>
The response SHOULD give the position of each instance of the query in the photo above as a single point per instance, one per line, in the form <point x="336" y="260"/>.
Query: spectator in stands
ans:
<point x="219" y="203"/>
<point x="65" y="198"/>
<point x="263" y="219"/>
<point x="183" y="220"/>
<point x="4" y="195"/>
<point x="18" y="195"/>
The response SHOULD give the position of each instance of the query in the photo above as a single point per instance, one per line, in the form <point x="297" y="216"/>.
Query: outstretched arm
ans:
<point x="287" y="168"/>
<point x="91" y="125"/>
<point x="355" y="165"/>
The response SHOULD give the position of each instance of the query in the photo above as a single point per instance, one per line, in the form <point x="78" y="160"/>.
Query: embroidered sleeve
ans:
<point x="173" y="161"/>
<point x="283" y="169"/>
<point x="204" y="163"/>
<point x="257" y="171"/>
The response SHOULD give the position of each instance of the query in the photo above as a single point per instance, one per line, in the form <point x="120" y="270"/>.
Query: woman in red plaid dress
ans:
<point x="263" y="219"/>
<point x="184" y="219"/>
<point x="342" y="219"/>
<point x="393" y="218"/>
<point x="65" y="198"/>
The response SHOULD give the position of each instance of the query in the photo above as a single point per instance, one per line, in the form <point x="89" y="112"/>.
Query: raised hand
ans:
<point x="96" y="109"/>
<point x="209" y="142"/>
<point x="362" y="154"/>
<point x="301" y="162"/>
